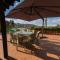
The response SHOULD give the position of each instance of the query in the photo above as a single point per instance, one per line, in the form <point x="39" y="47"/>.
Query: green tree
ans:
<point x="11" y="24"/>
<point x="58" y="26"/>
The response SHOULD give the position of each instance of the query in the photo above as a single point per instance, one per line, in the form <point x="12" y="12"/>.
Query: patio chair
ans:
<point x="19" y="41"/>
<point x="25" y="42"/>
<point x="34" y="38"/>
<point x="13" y="38"/>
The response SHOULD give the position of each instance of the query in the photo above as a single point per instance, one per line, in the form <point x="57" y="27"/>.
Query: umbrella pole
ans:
<point x="3" y="31"/>
<point x="46" y="23"/>
<point x="42" y="27"/>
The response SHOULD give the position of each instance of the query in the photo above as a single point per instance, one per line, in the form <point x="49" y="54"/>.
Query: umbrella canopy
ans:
<point x="35" y="9"/>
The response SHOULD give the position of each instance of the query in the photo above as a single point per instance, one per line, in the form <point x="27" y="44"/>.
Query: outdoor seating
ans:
<point x="37" y="34"/>
<point x="25" y="42"/>
<point x="35" y="37"/>
<point x="13" y="38"/>
<point x="19" y="41"/>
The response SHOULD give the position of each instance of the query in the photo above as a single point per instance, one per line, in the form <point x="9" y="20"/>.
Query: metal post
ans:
<point x="45" y="22"/>
<point x="42" y="27"/>
<point x="3" y="31"/>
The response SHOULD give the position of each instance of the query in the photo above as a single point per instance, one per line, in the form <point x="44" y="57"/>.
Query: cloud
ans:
<point x="38" y="22"/>
<point x="17" y="20"/>
<point x="54" y="21"/>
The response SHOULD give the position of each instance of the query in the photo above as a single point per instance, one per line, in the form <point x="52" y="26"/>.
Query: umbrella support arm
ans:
<point x="35" y="9"/>
<point x="3" y="31"/>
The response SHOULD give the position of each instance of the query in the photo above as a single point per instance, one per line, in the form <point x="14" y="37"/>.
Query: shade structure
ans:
<point x="35" y="9"/>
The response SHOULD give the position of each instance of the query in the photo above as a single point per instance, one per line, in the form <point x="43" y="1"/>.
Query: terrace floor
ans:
<point x="51" y="44"/>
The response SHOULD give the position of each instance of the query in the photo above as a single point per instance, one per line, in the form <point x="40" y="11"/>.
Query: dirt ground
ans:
<point x="48" y="48"/>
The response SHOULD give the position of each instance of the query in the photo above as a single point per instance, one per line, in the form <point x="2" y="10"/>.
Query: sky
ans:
<point x="50" y="21"/>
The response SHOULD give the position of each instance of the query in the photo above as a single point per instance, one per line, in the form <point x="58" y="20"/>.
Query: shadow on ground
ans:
<point x="50" y="47"/>
<point x="11" y="58"/>
<point x="0" y="59"/>
<point x="46" y="47"/>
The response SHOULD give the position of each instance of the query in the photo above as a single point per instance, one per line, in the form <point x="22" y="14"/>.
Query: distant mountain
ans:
<point x="25" y="25"/>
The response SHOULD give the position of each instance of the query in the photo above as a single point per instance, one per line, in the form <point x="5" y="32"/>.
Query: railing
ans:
<point x="55" y="31"/>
